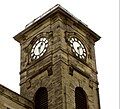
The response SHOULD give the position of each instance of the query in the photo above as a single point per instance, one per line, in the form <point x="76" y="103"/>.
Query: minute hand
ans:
<point x="39" y="48"/>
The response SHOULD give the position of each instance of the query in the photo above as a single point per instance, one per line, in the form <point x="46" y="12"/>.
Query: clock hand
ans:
<point x="78" y="48"/>
<point x="40" y="47"/>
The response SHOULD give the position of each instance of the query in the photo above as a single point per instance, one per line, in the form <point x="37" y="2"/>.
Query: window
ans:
<point x="80" y="98"/>
<point x="41" y="98"/>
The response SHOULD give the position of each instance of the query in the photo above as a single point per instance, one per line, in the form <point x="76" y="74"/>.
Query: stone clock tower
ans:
<point x="58" y="65"/>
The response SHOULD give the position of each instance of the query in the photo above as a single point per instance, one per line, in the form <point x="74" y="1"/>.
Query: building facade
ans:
<point x="58" y="65"/>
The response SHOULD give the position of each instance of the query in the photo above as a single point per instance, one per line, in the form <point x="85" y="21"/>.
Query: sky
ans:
<point x="100" y="15"/>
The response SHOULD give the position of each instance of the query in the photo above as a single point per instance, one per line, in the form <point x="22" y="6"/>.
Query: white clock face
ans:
<point x="39" y="48"/>
<point x="78" y="48"/>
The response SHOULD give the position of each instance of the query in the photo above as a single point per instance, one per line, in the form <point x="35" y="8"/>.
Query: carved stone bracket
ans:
<point x="68" y="35"/>
<point x="91" y="84"/>
<point x="71" y="70"/>
<point x="50" y="71"/>
<point x="91" y="81"/>
<point x="28" y="84"/>
<point x="49" y="34"/>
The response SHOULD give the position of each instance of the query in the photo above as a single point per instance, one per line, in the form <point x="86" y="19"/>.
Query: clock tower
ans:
<point x="58" y="65"/>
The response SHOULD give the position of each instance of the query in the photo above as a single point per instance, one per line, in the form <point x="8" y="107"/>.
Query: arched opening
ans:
<point x="80" y="98"/>
<point x="41" y="98"/>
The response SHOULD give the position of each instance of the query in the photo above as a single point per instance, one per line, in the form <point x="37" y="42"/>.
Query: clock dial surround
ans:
<point x="39" y="48"/>
<point x="78" y="48"/>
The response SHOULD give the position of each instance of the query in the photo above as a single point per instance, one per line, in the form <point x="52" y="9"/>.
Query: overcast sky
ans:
<point x="100" y="15"/>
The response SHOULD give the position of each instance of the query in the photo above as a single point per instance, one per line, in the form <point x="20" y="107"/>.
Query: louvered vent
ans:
<point x="80" y="98"/>
<point x="41" y="99"/>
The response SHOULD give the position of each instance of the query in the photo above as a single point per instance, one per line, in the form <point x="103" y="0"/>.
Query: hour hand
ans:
<point x="78" y="48"/>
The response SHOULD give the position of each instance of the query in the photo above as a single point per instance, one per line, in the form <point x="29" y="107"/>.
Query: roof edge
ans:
<point x="6" y="91"/>
<point x="53" y="10"/>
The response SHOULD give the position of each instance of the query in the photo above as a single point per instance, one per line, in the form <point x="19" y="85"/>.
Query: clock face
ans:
<point x="78" y="48"/>
<point x="39" y="48"/>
